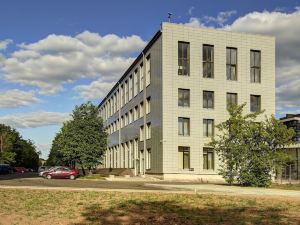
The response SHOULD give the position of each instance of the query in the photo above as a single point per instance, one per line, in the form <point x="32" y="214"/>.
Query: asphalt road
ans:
<point x="32" y="179"/>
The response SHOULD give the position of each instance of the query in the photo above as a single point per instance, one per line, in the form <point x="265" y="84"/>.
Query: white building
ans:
<point x="161" y="114"/>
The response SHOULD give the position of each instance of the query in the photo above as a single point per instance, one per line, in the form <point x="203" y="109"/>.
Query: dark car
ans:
<point x="61" y="172"/>
<point x="20" y="169"/>
<point x="5" y="169"/>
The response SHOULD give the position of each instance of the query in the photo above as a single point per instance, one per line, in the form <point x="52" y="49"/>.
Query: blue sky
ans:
<point x="58" y="54"/>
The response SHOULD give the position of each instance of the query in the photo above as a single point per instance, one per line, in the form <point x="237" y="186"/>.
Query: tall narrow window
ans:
<point x="148" y="131"/>
<point x="208" y="159"/>
<point x="148" y="158"/>
<point x="141" y="133"/>
<point x="148" y="70"/>
<point x="148" y="105"/>
<point x="183" y="157"/>
<point x="136" y="82"/>
<point x="126" y="119"/>
<point x="130" y="88"/>
<point x="208" y="61"/>
<point x="231" y="99"/>
<point x="126" y="91"/>
<point x="184" y="126"/>
<point x="141" y="109"/>
<point x="183" y="97"/>
<point x="231" y="63"/>
<point x="255" y="103"/>
<point x="255" y="70"/>
<point x="208" y="127"/>
<point x="208" y="99"/>
<point x="141" y="77"/>
<point x="136" y="112"/>
<point x="123" y="95"/>
<point x="183" y="58"/>
<point x="130" y="116"/>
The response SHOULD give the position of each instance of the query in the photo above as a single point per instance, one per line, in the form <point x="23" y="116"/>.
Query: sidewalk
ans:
<point x="228" y="190"/>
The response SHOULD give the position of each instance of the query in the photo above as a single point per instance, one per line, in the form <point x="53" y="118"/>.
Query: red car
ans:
<point x="61" y="172"/>
<point x="20" y="169"/>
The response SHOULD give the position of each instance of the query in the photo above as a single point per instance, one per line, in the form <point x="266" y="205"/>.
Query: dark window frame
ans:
<point x="206" y="123"/>
<point x="186" y="151"/>
<point x="229" y="103"/>
<point x="206" y="104"/>
<point x="183" y="132"/>
<point x="206" y="63"/>
<point x="230" y="65"/>
<point x="255" y="68"/>
<point x="186" y="96"/>
<point x="206" y="153"/>
<point x="257" y="107"/>
<point x="183" y="62"/>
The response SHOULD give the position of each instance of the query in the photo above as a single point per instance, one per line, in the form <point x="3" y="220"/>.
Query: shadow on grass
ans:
<point x="171" y="213"/>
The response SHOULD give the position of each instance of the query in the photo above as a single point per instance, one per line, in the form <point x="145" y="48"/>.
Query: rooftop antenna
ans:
<point x="169" y="16"/>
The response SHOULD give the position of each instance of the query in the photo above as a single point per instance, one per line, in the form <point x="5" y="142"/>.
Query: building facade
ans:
<point x="292" y="170"/>
<point x="161" y="114"/>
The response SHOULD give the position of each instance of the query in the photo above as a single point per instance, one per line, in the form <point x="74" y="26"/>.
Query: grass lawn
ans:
<point x="286" y="186"/>
<point x="82" y="208"/>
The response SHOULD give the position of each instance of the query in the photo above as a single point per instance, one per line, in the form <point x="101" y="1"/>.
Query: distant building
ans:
<point x="160" y="115"/>
<point x="292" y="170"/>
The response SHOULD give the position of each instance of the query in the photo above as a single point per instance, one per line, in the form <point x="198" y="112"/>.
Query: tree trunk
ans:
<point x="83" y="170"/>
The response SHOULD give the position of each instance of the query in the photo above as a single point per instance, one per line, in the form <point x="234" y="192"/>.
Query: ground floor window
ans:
<point x="183" y="157"/>
<point x="148" y="163"/>
<point x="208" y="159"/>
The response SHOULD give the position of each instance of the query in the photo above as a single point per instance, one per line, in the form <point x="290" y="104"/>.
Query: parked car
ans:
<point x="42" y="169"/>
<point x="61" y="172"/>
<point x="5" y="169"/>
<point x="20" y="169"/>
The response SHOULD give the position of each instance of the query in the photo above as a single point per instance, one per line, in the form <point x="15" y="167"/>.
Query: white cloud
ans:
<point x="58" y="59"/>
<point x="5" y="43"/>
<point x="286" y="28"/>
<point x="95" y="90"/>
<point x="16" y="98"/>
<point x="44" y="149"/>
<point x="190" y="11"/>
<point x="34" y="119"/>
<point x="220" y="19"/>
<point x="194" y="22"/>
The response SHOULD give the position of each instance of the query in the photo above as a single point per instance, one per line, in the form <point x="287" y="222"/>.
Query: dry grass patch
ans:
<point x="82" y="208"/>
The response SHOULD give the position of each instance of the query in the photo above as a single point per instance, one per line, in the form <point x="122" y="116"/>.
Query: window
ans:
<point x="255" y="58"/>
<point x="136" y="82"/>
<point x="231" y="63"/>
<point x="122" y="122"/>
<point x="148" y="131"/>
<point x="183" y="157"/>
<point x="231" y="99"/>
<point x="148" y="105"/>
<point x="141" y="77"/>
<point x="148" y="158"/>
<point x="130" y="116"/>
<point x="136" y="112"/>
<point x="130" y="88"/>
<point x="142" y="109"/>
<point x="208" y="127"/>
<point x="208" y="159"/>
<point x="141" y="133"/>
<point x="183" y="126"/>
<point x="126" y="92"/>
<point x="184" y="97"/>
<point x="126" y="119"/>
<point x="183" y="58"/>
<point x="148" y="70"/>
<point x="208" y="99"/>
<point x="123" y="95"/>
<point x="208" y="61"/>
<point x="255" y="102"/>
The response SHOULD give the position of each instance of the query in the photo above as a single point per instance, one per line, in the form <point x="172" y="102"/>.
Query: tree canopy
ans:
<point x="15" y="150"/>
<point x="81" y="140"/>
<point x="249" y="149"/>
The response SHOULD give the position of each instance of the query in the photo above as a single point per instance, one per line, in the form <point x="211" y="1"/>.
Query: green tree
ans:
<point x="250" y="149"/>
<point x="15" y="150"/>
<point x="82" y="139"/>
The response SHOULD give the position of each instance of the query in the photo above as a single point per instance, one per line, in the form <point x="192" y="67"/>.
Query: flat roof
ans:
<point x="148" y="46"/>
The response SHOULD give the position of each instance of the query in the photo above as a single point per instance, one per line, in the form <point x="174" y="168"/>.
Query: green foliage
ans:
<point x="249" y="150"/>
<point x="15" y="150"/>
<point x="81" y="139"/>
